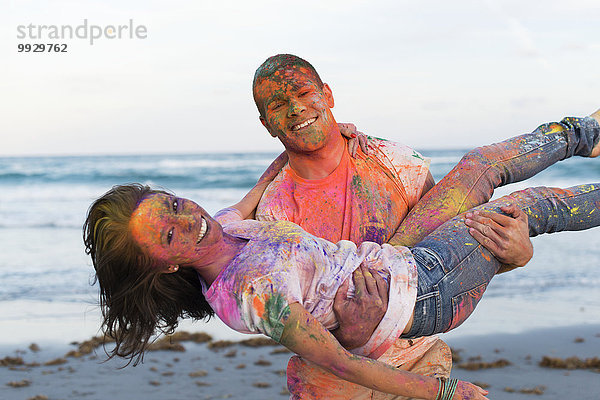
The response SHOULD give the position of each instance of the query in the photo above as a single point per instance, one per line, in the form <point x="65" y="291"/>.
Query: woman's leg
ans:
<point x="454" y="270"/>
<point x="473" y="180"/>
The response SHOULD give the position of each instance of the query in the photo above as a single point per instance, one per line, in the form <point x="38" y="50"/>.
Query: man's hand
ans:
<point x="359" y="316"/>
<point x="505" y="236"/>
<point x="355" y="138"/>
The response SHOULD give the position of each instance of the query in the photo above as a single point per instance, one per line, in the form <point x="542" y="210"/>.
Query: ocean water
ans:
<point x="46" y="290"/>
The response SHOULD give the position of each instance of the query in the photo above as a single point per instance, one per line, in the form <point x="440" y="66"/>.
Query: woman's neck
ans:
<point x="220" y="257"/>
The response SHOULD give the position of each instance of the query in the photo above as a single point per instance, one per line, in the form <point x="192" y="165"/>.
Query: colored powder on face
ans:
<point x="283" y="96"/>
<point x="147" y="223"/>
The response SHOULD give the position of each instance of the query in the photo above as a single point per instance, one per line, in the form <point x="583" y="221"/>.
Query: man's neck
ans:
<point x="320" y="163"/>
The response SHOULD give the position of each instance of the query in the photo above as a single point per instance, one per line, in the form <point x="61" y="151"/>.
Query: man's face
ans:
<point x="295" y="109"/>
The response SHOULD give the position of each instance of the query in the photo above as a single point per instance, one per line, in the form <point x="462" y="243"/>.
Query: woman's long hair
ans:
<point x="137" y="299"/>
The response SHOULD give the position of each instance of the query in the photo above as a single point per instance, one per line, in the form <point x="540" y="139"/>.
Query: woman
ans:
<point x="149" y="248"/>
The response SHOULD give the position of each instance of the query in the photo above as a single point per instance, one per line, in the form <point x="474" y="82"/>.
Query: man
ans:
<point x="365" y="198"/>
<point x="333" y="196"/>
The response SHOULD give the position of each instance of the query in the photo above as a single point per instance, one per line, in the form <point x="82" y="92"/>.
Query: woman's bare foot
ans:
<point x="596" y="150"/>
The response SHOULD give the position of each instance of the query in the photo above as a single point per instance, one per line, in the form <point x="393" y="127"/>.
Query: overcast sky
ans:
<point x="431" y="74"/>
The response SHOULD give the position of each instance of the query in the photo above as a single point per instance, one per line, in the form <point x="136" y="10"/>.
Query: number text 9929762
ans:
<point x="42" y="48"/>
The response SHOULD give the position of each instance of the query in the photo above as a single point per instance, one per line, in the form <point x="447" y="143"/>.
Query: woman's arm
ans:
<point x="247" y="205"/>
<point x="305" y="336"/>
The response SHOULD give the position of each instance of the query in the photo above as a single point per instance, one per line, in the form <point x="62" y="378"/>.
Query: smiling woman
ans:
<point x="276" y="279"/>
<point x="136" y="297"/>
<point x="159" y="258"/>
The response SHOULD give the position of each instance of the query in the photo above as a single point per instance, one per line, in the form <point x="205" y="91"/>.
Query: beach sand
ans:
<point x="200" y="368"/>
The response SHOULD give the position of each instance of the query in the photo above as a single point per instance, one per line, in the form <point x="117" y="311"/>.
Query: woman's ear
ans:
<point x="172" y="268"/>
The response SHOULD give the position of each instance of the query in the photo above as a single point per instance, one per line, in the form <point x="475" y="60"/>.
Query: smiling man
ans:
<point x="335" y="196"/>
<point x="365" y="198"/>
<point x="323" y="189"/>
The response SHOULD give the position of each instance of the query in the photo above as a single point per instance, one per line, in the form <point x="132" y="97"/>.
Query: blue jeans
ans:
<point x="454" y="269"/>
<point x="473" y="180"/>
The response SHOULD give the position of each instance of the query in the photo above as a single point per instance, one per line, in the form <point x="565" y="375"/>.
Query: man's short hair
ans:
<point x="279" y="61"/>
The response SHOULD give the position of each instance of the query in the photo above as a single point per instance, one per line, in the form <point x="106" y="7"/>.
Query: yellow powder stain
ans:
<point x="575" y="210"/>
<point x="555" y="128"/>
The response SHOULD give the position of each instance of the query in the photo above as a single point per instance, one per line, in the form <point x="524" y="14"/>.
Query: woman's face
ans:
<point x="173" y="230"/>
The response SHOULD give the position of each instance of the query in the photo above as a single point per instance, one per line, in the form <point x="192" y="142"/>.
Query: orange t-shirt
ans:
<point x="364" y="199"/>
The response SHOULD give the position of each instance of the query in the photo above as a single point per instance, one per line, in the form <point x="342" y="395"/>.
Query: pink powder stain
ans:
<point x="463" y="305"/>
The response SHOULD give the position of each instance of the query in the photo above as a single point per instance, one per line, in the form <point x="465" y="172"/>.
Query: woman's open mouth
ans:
<point x="203" y="229"/>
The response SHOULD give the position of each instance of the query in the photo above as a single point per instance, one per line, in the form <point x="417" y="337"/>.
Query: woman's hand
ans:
<point x="355" y="138"/>
<point x="469" y="391"/>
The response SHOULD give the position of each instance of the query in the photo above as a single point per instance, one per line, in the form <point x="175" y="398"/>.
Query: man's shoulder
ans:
<point x="393" y="150"/>
<point x="397" y="158"/>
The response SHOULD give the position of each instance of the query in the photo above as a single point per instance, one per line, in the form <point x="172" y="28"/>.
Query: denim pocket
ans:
<point x="426" y="258"/>
<point x="463" y="305"/>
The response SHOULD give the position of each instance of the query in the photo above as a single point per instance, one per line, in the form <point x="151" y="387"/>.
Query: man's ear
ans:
<point x="266" y="125"/>
<point x="328" y="95"/>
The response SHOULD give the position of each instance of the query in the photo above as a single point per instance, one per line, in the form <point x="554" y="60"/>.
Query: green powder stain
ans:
<point x="277" y="310"/>
<point x="417" y="155"/>
<point x="359" y="186"/>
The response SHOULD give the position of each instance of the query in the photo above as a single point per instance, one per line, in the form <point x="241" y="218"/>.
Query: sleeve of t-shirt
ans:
<point x="408" y="165"/>
<point x="264" y="304"/>
<point x="228" y="215"/>
<point x="270" y="207"/>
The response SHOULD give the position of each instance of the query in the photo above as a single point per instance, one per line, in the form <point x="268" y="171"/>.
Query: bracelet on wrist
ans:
<point x="446" y="388"/>
<point x="441" y="382"/>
